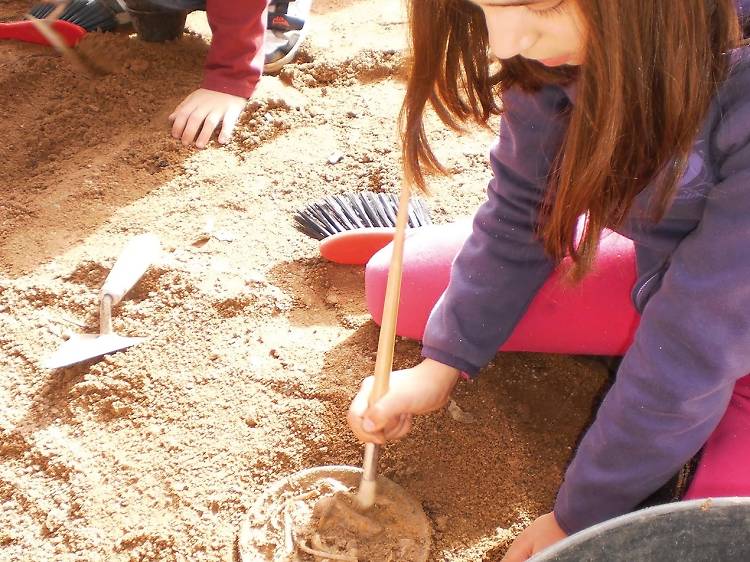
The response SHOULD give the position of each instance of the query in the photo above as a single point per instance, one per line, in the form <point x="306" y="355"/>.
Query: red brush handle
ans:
<point x="25" y="31"/>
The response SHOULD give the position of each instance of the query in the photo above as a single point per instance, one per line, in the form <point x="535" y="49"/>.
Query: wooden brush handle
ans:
<point x="387" y="339"/>
<point x="386" y="342"/>
<point x="134" y="260"/>
<point x="50" y="32"/>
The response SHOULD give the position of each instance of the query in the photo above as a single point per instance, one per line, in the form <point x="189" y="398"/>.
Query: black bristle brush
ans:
<point x="91" y="15"/>
<point x="353" y="226"/>
<point x="75" y="20"/>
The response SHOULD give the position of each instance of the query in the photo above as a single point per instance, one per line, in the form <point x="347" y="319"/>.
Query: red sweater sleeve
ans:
<point x="235" y="59"/>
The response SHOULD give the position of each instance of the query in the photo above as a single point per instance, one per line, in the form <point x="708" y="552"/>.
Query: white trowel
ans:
<point x="134" y="260"/>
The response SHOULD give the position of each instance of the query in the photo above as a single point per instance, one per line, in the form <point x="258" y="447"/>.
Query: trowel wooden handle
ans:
<point x="135" y="258"/>
<point x="387" y="339"/>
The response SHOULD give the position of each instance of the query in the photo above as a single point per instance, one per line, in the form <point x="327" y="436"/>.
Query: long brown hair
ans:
<point x="650" y="72"/>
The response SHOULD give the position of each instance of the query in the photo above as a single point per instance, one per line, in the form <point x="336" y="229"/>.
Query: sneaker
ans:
<point x="285" y="32"/>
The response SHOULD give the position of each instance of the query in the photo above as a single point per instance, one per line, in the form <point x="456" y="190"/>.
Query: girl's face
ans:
<point x="548" y="31"/>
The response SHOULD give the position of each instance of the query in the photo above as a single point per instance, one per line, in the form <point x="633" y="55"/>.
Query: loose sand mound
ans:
<point x="256" y="345"/>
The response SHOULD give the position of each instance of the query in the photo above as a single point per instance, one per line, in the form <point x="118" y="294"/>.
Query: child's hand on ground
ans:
<point x="418" y="390"/>
<point x="543" y="532"/>
<point x="206" y="110"/>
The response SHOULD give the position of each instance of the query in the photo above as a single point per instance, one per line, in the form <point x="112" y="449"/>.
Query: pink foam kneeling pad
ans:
<point x="594" y="317"/>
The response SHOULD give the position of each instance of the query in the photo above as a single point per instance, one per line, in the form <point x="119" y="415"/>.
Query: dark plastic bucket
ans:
<point x="692" y="531"/>
<point x="155" y="23"/>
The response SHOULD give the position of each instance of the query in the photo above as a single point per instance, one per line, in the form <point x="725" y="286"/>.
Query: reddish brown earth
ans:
<point x="256" y="345"/>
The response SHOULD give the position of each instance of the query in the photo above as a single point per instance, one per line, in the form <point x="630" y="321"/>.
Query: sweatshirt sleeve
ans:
<point x="235" y="59"/>
<point x="692" y="344"/>
<point x="502" y="264"/>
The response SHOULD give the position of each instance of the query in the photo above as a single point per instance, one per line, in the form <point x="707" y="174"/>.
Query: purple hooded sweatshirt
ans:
<point x="693" y="293"/>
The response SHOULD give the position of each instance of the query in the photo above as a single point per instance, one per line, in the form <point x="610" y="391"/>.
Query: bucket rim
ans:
<point x="642" y="514"/>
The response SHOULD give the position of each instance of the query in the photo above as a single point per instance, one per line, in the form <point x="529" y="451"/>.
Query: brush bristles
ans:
<point x="91" y="15"/>
<point x="350" y="211"/>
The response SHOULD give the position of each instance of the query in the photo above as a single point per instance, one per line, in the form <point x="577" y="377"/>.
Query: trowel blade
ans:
<point x="88" y="346"/>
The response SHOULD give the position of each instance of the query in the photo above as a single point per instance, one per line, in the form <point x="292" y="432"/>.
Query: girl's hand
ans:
<point x="543" y="532"/>
<point x="418" y="390"/>
<point x="206" y="110"/>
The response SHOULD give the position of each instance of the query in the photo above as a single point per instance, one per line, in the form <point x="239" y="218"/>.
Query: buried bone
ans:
<point x="335" y="511"/>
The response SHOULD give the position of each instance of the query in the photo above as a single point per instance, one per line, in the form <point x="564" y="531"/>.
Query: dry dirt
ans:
<point x="255" y="344"/>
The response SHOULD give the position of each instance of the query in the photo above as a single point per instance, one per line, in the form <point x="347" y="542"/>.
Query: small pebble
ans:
<point x="335" y="158"/>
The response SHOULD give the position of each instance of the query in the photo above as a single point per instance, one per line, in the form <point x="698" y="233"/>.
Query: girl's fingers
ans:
<point x="355" y="423"/>
<point x="359" y="405"/>
<point x="356" y="412"/>
<point x="519" y="551"/>
<point x="390" y="407"/>
<point x="178" y="110"/>
<point x="178" y="124"/>
<point x="193" y="124"/>
<point x="230" y="120"/>
<point x="393" y="427"/>
<point x="181" y="116"/>
<point x="401" y="428"/>
<point x="388" y="419"/>
<point x="210" y="123"/>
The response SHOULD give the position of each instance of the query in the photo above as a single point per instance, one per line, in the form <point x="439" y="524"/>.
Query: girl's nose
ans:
<point x="510" y="32"/>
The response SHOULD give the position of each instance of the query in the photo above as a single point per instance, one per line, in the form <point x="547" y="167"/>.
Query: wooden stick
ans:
<point x="57" y="10"/>
<point x="386" y="343"/>
<point x="54" y="39"/>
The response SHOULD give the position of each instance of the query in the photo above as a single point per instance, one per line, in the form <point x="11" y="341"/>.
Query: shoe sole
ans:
<point x="275" y="66"/>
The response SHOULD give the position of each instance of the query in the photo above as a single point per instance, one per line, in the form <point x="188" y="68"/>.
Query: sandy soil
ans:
<point x="255" y="344"/>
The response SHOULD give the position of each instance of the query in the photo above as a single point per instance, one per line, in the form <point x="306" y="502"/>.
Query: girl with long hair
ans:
<point x="617" y="223"/>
